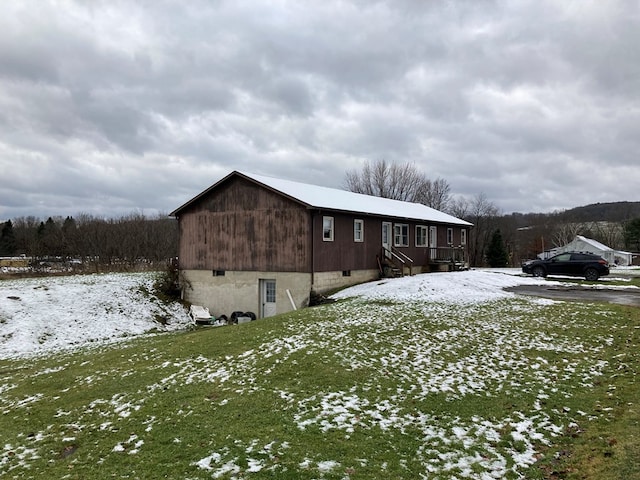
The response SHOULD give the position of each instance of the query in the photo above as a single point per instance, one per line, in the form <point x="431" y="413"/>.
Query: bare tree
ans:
<point x="609" y="233"/>
<point x="434" y="193"/>
<point x="484" y="215"/>
<point x="399" y="182"/>
<point x="564" y="233"/>
<point x="459" y="207"/>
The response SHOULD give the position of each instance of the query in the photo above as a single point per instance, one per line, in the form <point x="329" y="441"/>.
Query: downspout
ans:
<point x="313" y="250"/>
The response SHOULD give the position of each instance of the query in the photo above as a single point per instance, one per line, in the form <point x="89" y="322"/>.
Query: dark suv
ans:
<point x="575" y="264"/>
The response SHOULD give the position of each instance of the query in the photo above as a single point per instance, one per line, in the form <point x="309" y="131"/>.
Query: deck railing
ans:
<point x="398" y="261"/>
<point x="447" y="255"/>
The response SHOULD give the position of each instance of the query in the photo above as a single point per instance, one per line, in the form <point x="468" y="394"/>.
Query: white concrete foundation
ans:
<point x="327" y="281"/>
<point x="240" y="291"/>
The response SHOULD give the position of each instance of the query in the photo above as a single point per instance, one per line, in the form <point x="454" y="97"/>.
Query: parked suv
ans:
<point x="575" y="264"/>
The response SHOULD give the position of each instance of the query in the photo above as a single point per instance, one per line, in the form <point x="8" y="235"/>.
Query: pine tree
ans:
<point x="497" y="255"/>
<point x="632" y="235"/>
<point x="7" y="240"/>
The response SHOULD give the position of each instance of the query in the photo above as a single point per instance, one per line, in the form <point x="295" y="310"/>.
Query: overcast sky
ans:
<point x="114" y="107"/>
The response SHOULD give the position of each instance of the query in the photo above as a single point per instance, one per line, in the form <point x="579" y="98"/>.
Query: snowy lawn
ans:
<point x="435" y="376"/>
<point x="51" y="313"/>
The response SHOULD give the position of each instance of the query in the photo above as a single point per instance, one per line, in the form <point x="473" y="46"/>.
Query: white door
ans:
<point x="267" y="298"/>
<point x="386" y="236"/>
<point x="433" y="243"/>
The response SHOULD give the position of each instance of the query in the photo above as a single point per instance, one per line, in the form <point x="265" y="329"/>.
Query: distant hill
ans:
<point x="595" y="212"/>
<point x="599" y="212"/>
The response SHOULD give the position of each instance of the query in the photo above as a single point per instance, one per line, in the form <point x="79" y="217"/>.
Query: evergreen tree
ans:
<point x="7" y="240"/>
<point x="632" y="235"/>
<point x="497" y="255"/>
<point x="69" y="236"/>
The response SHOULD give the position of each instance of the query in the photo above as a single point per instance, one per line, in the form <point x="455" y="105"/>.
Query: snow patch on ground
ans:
<point x="461" y="288"/>
<point x="39" y="315"/>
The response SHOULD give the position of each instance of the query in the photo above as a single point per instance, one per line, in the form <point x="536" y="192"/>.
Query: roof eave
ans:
<point x="177" y="211"/>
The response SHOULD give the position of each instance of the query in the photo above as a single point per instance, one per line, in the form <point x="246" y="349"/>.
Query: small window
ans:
<point x="327" y="229"/>
<point x="358" y="230"/>
<point x="463" y="236"/>
<point x="421" y="236"/>
<point x="401" y="235"/>
<point x="449" y="236"/>
<point x="346" y="273"/>
<point x="218" y="273"/>
<point x="270" y="291"/>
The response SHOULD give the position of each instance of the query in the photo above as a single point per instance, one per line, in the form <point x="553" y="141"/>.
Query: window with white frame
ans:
<point x="449" y="236"/>
<point x="358" y="230"/>
<point x="421" y="236"/>
<point x="401" y="235"/>
<point x="327" y="229"/>
<point x="463" y="236"/>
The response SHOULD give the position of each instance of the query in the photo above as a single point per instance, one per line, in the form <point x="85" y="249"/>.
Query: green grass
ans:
<point x="348" y="390"/>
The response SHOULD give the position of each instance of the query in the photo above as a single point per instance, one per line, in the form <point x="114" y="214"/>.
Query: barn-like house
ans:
<point x="260" y="244"/>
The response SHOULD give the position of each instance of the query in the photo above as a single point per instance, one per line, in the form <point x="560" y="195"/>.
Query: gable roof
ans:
<point x="593" y="243"/>
<point x="325" y="198"/>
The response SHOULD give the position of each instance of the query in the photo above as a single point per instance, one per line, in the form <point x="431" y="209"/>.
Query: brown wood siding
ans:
<point x="343" y="253"/>
<point x="242" y="226"/>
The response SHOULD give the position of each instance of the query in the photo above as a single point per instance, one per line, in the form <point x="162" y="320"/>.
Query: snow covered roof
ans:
<point x="594" y="243"/>
<point x="314" y="196"/>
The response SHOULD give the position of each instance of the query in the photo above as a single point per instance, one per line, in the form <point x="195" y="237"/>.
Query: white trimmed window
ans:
<point x="463" y="236"/>
<point x="401" y="235"/>
<point x="449" y="236"/>
<point x="327" y="229"/>
<point x="358" y="230"/>
<point x="421" y="236"/>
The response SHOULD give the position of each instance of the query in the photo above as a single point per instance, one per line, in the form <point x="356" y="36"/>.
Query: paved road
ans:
<point x="584" y="294"/>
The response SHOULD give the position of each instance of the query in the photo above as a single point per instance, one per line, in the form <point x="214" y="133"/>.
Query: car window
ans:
<point x="563" y="257"/>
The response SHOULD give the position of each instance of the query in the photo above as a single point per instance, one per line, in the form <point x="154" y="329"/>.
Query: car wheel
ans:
<point x="591" y="274"/>
<point x="539" y="272"/>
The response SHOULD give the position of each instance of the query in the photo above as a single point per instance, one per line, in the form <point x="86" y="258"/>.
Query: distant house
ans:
<point x="584" y="244"/>
<point x="263" y="245"/>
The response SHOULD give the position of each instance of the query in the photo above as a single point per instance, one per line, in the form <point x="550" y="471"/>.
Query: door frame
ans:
<point x="388" y="226"/>
<point x="433" y="243"/>
<point x="267" y="308"/>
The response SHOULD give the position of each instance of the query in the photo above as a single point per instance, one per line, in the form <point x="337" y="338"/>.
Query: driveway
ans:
<point x="583" y="294"/>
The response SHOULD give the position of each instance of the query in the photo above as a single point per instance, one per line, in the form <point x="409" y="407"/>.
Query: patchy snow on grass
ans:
<point x="414" y="346"/>
<point x="39" y="315"/>
<point x="454" y="337"/>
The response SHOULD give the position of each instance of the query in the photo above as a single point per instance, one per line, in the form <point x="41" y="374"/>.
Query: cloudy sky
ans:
<point x="113" y="107"/>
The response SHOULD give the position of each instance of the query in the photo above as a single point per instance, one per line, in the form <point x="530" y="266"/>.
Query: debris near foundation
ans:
<point x="319" y="299"/>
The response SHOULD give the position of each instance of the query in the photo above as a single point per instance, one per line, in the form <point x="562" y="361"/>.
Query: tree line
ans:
<point x="497" y="239"/>
<point x="89" y="242"/>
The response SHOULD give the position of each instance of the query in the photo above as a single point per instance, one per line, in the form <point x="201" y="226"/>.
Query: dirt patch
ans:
<point x="581" y="294"/>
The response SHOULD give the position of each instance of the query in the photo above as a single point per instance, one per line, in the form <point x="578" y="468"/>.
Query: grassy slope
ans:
<point x="349" y="390"/>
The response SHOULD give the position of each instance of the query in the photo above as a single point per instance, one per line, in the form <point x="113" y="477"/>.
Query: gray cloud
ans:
<point x="110" y="107"/>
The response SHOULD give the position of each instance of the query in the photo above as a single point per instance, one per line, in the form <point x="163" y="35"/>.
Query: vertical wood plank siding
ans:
<point x="241" y="226"/>
<point x="343" y="253"/>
